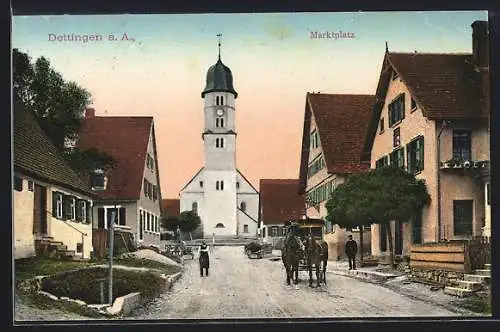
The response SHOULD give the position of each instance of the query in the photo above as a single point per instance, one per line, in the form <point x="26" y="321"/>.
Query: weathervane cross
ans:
<point x="219" y="37"/>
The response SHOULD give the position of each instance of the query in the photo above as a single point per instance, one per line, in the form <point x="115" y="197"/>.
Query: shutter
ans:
<point x="54" y="204"/>
<point x="122" y="216"/>
<point x="66" y="207"/>
<point x="78" y="210"/>
<point x="145" y="188"/>
<point x="89" y="212"/>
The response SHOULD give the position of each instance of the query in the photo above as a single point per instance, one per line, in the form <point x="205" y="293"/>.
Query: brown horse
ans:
<point x="316" y="253"/>
<point x="290" y="255"/>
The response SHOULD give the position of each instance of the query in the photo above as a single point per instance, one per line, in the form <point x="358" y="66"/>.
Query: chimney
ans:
<point x="89" y="113"/>
<point x="480" y="50"/>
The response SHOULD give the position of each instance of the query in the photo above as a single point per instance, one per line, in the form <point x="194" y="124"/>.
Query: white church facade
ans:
<point x="225" y="200"/>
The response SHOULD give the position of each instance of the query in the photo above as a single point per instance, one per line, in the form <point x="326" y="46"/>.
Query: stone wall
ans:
<point x="440" y="277"/>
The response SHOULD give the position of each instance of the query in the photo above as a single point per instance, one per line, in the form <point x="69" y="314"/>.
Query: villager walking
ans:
<point x="351" y="248"/>
<point x="204" y="259"/>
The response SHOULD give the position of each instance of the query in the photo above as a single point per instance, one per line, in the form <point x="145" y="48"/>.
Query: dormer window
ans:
<point x="98" y="180"/>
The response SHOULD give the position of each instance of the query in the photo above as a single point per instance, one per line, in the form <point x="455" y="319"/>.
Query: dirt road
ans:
<point x="238" y="287"/>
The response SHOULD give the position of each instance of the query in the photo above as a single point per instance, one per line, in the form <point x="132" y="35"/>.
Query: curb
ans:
<point x="371" y="276"/>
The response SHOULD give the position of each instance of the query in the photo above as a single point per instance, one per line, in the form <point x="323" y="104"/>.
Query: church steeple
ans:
<point x="220" y="37"/>
<point x="219" y="77"/>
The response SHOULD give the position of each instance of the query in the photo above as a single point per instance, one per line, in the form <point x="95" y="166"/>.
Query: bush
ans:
<point x="85" y="285"/>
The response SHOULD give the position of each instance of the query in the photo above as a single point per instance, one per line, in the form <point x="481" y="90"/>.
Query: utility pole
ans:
<point x="110" y="254"/>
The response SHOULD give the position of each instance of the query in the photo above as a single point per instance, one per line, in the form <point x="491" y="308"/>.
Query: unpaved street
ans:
<point x="239" y="287"/>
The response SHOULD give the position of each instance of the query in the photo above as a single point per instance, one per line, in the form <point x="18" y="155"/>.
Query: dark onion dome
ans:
<point x="219" y="78"/>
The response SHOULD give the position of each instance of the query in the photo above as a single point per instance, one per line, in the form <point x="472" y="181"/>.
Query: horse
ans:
<point x="316" y="253"/>
<point x="290" y="255"/>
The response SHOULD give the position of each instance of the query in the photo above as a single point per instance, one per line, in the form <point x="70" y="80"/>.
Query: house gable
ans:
<point x="341" y="121"/>
<point x="280" y="201"/>
<point x="126" y="140"/>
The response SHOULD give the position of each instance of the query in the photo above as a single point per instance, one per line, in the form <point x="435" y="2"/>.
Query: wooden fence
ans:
<point x="456" y="256"/>
<point x="123" y="242"/>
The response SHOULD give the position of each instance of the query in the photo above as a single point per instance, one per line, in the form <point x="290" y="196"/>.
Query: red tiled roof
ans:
<point x="342" y="121"/>
<point x="280" y="201"/>
<point x="444" y="85"/>
<point x="171" y="207"/>
<point x="126" y="140"/>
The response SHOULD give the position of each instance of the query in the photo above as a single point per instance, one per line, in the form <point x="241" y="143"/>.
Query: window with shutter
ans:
<point x="145" y="187"/>
<point x="155" y="194"/>
<point x="67" y="207"/>
<point x="18" y="183"/>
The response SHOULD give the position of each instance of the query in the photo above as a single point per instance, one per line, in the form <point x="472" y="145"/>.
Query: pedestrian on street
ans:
<point x="351" y="248"/>
<point x="204" y="259"/>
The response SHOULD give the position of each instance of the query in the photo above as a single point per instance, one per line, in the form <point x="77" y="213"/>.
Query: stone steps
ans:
<point x="469" y="285"/>
<point x="455" y="291"/>
<point x="483" y="272"/>
<point x="477" y="278"/>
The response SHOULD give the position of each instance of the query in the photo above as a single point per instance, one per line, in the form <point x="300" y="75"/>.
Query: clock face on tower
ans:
<point x="220" y="112"/>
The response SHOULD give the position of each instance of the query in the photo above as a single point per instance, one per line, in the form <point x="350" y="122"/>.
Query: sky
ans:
<point x="157" y="65"/>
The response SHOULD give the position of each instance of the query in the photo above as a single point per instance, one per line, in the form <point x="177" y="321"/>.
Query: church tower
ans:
<point x="225" y="200"/>
<point x="219" y="139"/>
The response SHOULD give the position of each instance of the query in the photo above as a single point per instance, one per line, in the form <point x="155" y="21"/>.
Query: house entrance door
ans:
<point x="40" y="210"/>
<point x="398" y="238"/>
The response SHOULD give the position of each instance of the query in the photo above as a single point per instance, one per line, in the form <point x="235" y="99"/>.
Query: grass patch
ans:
<point x="43" y="302"/>
<point x="478" y="304"/>
<point x="85" y="284"/>
<point x="27" y="268"/>
<point x="146" y="263"/>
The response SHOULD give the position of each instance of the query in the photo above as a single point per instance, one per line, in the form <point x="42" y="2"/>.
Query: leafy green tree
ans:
<point x="58" y="105"/>
<point x="378" y="196"/>
<point x="189" y="221"/>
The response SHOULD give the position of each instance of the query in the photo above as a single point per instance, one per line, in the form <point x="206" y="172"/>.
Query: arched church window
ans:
<point x="222" y="123"/>
<point x="217" y="123"/>
<point x="243" y="206"/>
<point x="222" y="100"/>
<point x="216" y="142"/>
<point x="217" y="100"/>
<point x="222" y="142"/>
<point x="222" y="185"/>
<point x="217" y="185"/>
<point x="194" y="207"/>
<point x="220" y="225"/>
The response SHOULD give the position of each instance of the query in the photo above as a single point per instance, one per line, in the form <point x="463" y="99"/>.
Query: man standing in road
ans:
<point x="351" y="248"/>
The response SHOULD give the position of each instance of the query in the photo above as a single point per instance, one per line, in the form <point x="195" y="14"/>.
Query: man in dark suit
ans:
<point x="351" y="248"/>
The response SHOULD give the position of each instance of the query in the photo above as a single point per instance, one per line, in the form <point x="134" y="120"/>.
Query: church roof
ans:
<point x="219" y="78"/>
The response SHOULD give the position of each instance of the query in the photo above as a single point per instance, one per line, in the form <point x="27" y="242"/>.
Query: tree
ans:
<point x="170" y="223"/>
<point x="378" y="196"/>
<point x="58" y="105"/>
<point x="188" y="221"/>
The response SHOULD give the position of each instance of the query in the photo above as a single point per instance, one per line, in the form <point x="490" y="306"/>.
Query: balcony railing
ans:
<point x="464" y="164"/>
